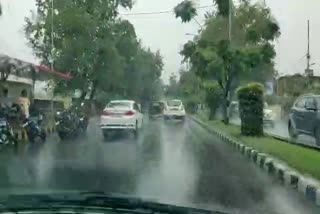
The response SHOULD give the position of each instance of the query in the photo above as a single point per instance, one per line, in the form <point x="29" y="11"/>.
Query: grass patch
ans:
<point x="302" y="159"/>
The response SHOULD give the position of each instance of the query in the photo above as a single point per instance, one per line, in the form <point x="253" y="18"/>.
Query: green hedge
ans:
<point x="213" y="98"/>
<point x="251" y="109"/>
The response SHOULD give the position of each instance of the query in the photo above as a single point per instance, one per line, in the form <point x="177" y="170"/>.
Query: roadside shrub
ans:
<point x="191" y="104"/>
<point x="251" y="109"/>
<point x="213" y="98"/>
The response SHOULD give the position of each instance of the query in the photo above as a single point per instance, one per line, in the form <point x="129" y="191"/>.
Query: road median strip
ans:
<point x="273" y="158"/>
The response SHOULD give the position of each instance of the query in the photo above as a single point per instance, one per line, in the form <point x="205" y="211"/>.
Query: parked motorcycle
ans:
<point x="67" y="125"/>
<point x="72" y="122"/>
<point x="6" y="133"/>
<point x="36" y="135"/>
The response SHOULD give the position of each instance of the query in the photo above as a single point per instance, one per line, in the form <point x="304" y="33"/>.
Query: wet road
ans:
<point x="171" y="163"/>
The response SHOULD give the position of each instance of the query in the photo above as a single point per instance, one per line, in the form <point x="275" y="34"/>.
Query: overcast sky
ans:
<point x="166" y="33"/>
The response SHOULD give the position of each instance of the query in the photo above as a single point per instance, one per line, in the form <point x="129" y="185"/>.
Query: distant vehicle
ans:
<point x="268" y="114"/>
<point x="121" y="115"/>
<point x="156" y="109"/>
<point x="174" y="109"/>
<point x="304" y="117"/>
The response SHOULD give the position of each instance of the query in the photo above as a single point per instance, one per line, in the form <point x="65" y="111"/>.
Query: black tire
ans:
<point x="136" y="130"/>
<point x="105" y="134"/>
<point x="272" y="125"/>
<point x="62" y="135"/>
<point x="317" y="136"/>
<point x="292" y="133"/>
<point x="183" y="119"/>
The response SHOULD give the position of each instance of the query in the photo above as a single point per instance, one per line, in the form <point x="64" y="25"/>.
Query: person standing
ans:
<point x="24" y="103"/>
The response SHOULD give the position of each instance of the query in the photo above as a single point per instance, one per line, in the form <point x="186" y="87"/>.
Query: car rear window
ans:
<point x="119" y="105"/>
<point x="174" y="103"/>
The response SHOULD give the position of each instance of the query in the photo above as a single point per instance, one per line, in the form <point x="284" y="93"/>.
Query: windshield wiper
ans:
<point x="92" y="199"/>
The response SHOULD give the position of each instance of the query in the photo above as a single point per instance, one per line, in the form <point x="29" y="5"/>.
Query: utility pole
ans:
<point x="308" y="71"/>
<point x="228" y="95"/>
<point x="52" y="47"/>
<point x="230" y="20"/>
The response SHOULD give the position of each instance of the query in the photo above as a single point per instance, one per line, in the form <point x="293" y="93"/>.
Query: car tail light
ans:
<point x="106" y="113"/>
<point x="129" y="113"/>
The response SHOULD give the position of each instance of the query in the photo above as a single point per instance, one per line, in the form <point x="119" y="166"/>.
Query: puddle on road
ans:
<point x="172" y="177"/>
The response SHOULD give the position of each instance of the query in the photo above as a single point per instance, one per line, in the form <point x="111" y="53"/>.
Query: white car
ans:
<point x="174" y="109"/>
<point x="268" y="116"/>
<point x="121" y="115"/>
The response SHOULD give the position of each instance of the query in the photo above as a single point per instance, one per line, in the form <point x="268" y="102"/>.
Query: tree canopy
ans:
<point x="248" y="54"/>
<point x="97" y="47"/>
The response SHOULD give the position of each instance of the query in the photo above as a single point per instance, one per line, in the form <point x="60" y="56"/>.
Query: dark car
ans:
<point x="304" y="117"/>
<point x="156" y="109"/>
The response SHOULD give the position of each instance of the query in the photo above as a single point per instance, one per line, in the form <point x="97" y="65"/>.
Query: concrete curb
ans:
<point x="289" y="177"/>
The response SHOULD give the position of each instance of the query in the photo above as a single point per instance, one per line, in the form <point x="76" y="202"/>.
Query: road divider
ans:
<point x="305" y="185"/>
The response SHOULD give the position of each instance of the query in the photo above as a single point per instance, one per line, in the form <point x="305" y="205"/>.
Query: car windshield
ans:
<point x="174" y="103"/>
<point x="119" y="105"/>
<point x="159" y="100"/>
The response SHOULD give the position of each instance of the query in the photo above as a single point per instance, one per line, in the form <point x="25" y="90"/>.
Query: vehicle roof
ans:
<point x="158" y="101"/>
<point x="175" y="100"/>
<point x="122" y="101"/>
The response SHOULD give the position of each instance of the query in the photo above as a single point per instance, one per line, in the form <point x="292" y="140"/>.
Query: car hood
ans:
<point x="267" y="111"/>
<point x="75" y="199"/>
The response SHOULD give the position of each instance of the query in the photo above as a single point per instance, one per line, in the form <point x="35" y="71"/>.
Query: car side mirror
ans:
<point x="311" y="107"/>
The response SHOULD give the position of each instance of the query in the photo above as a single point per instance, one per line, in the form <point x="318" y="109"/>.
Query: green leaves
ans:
<point x="246" y="57"/>
<point x="188" y="50"/>
<point x="223" y="7"/>
<point x="99" y="49"/>
<point x="185" y="10"/>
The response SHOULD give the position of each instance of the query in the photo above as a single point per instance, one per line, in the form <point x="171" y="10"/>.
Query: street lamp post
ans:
<point x="52" y="47"/>
<point x="191" y="34"/>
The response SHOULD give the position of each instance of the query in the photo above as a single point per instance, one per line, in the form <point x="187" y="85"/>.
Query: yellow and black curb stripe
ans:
<point x="21" y="135"/>
<point x="288" y="177"/>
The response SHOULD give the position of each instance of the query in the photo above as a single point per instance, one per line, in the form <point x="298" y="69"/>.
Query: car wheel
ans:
<point x="136" y="130"/>
<point x="105" y="134"/>
<point x="183" y="119"/>
<point x="317" y="136"/>
<point x="62" y="135"/>
<point x="272" y="124"/>
<point x="292" y="133"/>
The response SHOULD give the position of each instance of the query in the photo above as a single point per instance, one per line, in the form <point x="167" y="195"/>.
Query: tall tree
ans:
<point x="251" y="51"/>
<point x="84" y="39"/>
<point x="99" y="49"/>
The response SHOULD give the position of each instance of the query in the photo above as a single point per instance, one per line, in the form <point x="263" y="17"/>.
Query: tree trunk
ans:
<point x="93" y="91"/>
<point x="211" y="115"/>
<point x="83" y="95"/>
<point x="225" y="106"/>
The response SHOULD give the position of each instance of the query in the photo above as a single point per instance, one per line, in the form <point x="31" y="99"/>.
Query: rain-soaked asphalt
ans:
<point x="173" y="163"/>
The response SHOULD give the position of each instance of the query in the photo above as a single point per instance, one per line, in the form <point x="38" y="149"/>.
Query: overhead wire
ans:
<point x="160" y="12"/>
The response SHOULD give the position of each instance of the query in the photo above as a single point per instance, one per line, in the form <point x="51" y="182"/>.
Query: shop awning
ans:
<point x="21" y="68"/>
